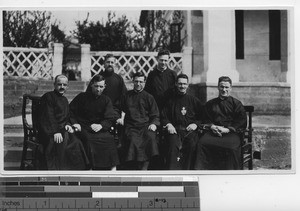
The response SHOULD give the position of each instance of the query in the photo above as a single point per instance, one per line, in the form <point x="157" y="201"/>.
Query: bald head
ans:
<point x="60" y="84"/>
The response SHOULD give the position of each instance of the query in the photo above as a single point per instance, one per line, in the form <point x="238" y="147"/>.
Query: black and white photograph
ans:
<point x="147" y="89"/>
<point x="206" y="92"/>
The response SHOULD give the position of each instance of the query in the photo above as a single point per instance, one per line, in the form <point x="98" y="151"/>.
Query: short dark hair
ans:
<point x="139" y="74"/>
<point x="109" y="55"/>
<point x="181" y="75"/>
<point x="163" y="52"/>
<point x="97" y="78"/>
<point x="225" y="79"/>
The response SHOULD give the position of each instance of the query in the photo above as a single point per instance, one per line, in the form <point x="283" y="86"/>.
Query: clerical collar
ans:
<point x="161" y="71"/>
<point x="180" y="93"/>
<point x="59" y="94"/>
<point x="137" y="91"/>
<point x="223" y="98"/>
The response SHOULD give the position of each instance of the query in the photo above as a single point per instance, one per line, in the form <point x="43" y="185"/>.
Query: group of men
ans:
<point x="158" y="124"/>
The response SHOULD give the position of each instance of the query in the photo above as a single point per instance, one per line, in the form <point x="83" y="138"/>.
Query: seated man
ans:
<point x="181" y="116"/>
<point x="141" y="121"/>
<point x="220" y="147"/>
<point x="92" y="114"/>
<point x="62" y="149"/>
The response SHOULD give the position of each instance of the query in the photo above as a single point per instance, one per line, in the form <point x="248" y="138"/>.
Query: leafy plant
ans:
<point x="30" y="29"/>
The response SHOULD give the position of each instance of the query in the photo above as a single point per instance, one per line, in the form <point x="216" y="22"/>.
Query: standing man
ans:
<point x="63" y="150"/>
<point x="92" y="115"/>
<point x="181" y="116"/>
<point x="220" y="146"/>
<point x="161" y="78"/>
<point x="115" y="86"/>
<point x="141" y="121"/>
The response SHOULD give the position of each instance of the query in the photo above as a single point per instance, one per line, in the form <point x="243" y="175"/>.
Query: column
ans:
<point x="57" y="59"/>
<point x="219" y="45"/>
<point x="85" y="62"/>
<point x="187" y="62"/>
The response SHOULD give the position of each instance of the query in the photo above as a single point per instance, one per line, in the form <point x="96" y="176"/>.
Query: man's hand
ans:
<point x="120" y="121"/>
<point x="171" y="129"/>
<point x="152" y="127"/>
<point x="215" y="130"/>
<point x="58" y="138"/>
<point x="76" y="127"/>
<point x="223" y="129"/>
<point x="69" y="129"/>
<point x="96" y="127"/>
<point x="191" y="127"/>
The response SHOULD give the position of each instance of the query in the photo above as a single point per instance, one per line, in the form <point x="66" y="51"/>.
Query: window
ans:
<point x="275" y="37"/>
<point x="239" y="34"/>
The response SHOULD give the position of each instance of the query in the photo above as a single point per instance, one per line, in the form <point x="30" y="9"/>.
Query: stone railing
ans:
<point x="131" y="62"/>
<point x="92" y="62"/>
<point x="27" y="62"/>
<point x="47" y="63"/>
<point x="32" y="62"/>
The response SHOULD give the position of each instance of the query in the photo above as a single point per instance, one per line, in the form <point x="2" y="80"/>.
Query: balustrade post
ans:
<point x="187" y="62"/>
<point x="57" y="59"/>
<point x="85" y="62"/>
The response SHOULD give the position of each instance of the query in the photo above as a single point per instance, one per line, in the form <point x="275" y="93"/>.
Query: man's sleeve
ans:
<point x="109" y="116"/>
<point x="148" y="87"/>
<point x="47" y="119"/>
<point x="240" y="117"/>
<point x="74" y="109"/>
<point x="199" y="112"/>
<point x="164" y="115"/>
<point x="154" y="112"/>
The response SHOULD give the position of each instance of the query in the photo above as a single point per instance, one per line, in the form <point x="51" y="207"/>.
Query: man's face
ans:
<point x="224" y="88"/>
<point x="139" y="83"/>
<point x="182" y="85"/>
<point x="61" y="85"/>
<point x="162" y="62"/>
<point x="110" y="64"/>
<point x="98" y="87"/>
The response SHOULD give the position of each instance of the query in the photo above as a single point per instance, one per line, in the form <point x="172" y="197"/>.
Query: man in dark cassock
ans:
<point x="181" y="116"/>
<point x="115" y="86"/>
<point x="92" y="114"/>
<point x="141" y="121"/>
<point x="62" y="149"/>
<point x="158" y="81"/>
<point x="220" y="147"/>
<point x="161" y="78"/>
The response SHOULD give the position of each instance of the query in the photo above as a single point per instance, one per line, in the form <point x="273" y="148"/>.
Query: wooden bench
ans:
<point x="30" y="119"/>
<point x="31" y="107"/>
<point x="246" y="139"/>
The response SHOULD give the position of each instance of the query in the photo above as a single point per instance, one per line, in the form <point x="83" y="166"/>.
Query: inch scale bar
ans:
<point x="94" y="193"/>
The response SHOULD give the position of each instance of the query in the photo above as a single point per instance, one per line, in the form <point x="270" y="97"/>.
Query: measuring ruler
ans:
<point x="99" y="193"/>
